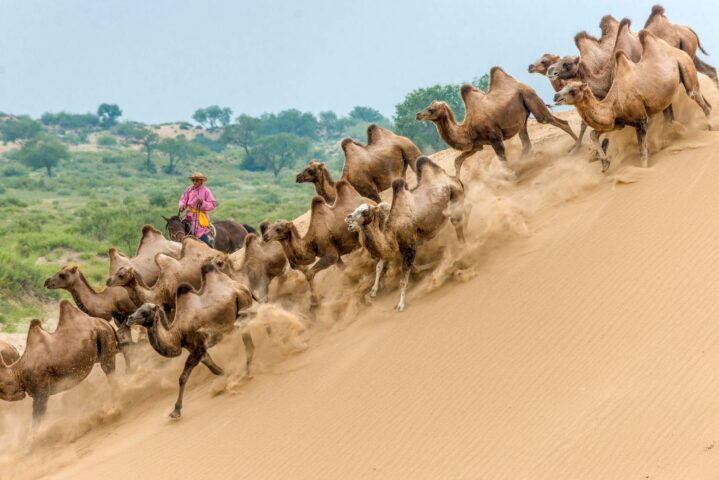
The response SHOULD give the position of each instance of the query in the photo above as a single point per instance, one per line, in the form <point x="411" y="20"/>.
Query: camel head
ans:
<point x="542" y="64"/>
<point x="10" y="387"/>
<point x="122" y="277"/>
<point x="565" y="67"/>
<point x="433" y="112"/>
<point x="279" y="230"/>
<point x="175" y="228"/>
<point x="145" y="315"/>
<point x="312" y="172"/>
<point x="65" y="278"/>
<point x="571" y="93"/>
<point x="220" y="262"/>
<point x="366" y="214"/>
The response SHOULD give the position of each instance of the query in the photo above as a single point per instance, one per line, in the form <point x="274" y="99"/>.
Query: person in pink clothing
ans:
<point x="196" y="201"/>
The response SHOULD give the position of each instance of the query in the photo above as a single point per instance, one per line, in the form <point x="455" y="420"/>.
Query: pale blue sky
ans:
<point x="160" y="60"/>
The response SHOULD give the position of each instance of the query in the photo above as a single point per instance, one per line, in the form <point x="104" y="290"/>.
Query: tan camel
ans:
<point x="151" y="243"/>
<point x="201" y="320"/>
<point x="316" y="173"/>
<point x="681" y="37"/>
<point x="55" y="362"/>
<point x="327" y="236"/>
<point x="261" y="262"/>
<point x="8" y="353"/>
<point x="596" y="52"/>
<point x="111" y="303"/>
<point x="415" y="216"/>
<point x="491" y="118"/>
<point x="639" y="90"/>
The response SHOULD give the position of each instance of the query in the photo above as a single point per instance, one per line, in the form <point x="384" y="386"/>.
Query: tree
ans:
<point x="178" y="149"/>
<point x="200" y="116"/>
<point x="243" y="133"/>
<point x="291" y="121"/>
<point x="424" y="134"/>
<point x="149" y="142"/>
<point x="366" y="114"/>
<point x="108" y="113"/>
<point x="213" y="115"/>
<point x="138" y="134"/>
<point x="278" y="151"/>
<point x="43" y="152"/>
<point x="72" y="121"/>
<point x="330" y="124"/>
<point x="19" y="128"/>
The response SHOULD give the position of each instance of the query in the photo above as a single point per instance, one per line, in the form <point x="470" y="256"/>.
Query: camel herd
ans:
<point x="187" y="295"/>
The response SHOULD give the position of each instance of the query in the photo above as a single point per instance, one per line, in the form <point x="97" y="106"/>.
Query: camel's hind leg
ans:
<point x="408" y="254"/>
<point x="601" y="149"/>
<point x="524" y="137"/>
<point x="39" y="406"/>
<point x="211" y="365"/>
<point x="190" y="364"/>
<point x="460" y="160"/>
<point x="378" y="270"/>
<point x="538" y="108"/>
<point x="249" y="350"/>
<point x="688" y="78"/>
<point x="106" y="352"/>
<point x="641" y="128"/>
<point x="578" y="143"/>
<point x="668" y="114"/>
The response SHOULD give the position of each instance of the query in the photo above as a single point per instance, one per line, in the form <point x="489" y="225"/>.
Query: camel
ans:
<point x="639" y="90"/>
<point x="151" y="243"/>
<point x="262" y="261"/>
<point x="491" y="118"/>
<point x="327" y="236"/>
<point x="681" y="37"/>
<point x="201" y="320"/>
<point x="55" y="362"/>
<point x="371" y="168"/>
<point x="8" y="353"/>
<point x="111" y="303"/>
<point x="416" y="215"/>
<point x="596" y="52"/>
<point x="173" y="272"/>
<point x="228" y="236"/>
<point x="315" y="172"/>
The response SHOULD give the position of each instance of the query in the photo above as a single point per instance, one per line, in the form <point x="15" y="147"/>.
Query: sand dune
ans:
<point x="575" y="336"/>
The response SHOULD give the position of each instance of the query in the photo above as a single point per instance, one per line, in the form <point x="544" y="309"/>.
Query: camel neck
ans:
<point x="297" y="248"/>
<point x="596" y="114"/>
<point x="448" y="129"/>
<point x="82" y="293"/>
<point x="163" y="337"/>
<point x="326" y="187"/>
<point x="375" y="240"/>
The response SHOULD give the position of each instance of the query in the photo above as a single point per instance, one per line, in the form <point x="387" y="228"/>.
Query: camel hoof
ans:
<point x="605" y="165"/>
<point x="175" y="413"/>
<point x="399" y="307"/>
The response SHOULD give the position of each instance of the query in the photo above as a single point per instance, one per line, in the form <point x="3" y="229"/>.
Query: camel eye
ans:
<point x="545" y="63"/>
<point x="62" y="275"/>
<point x="573" y="91"/>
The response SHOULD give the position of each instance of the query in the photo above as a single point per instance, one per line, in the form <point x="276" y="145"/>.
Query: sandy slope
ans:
<point x="576" y="336"/>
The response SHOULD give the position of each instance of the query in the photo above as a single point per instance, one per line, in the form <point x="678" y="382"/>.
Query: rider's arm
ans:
<point x="208" y="202"/>
<point x="183" y="200"/>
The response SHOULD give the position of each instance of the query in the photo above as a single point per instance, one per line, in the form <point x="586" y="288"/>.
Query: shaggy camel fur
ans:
<point x="491" y="118"/>
<point x="327" y="236"/>
<point x="262" y="261"/>
<point x="639" y="90"/>
<point x="151" y="243"/>
<point x="111" y="303"/>
<point x="202" y="318"/>
<point x="8" y="353"/>
<point x="55" y="362"/>
<point x="681" y="37"/>
<point x="416" y="216"/>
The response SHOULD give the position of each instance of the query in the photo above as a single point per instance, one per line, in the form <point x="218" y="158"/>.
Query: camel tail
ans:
<point x="699" y="43"/>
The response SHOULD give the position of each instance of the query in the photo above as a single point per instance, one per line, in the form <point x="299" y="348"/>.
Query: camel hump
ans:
<point x="184" y="288"/>
<point x="625" y="23"/>
<point x="373" y="132"/>
<point x="251" y="239"/>
<point x="346" y="142"/>
<point x="264" y="225"/>
<point x="656" y="10"/>
<point x="163" y="260"/>
<point x="207" y="267"/>
<point x="498" y="77"/>
<point x="606" y="23"/>
<point x="646" y="38"/>
<point x="468" y="89"/>
<point x="398" y="185"/>
<point x="35" y="324"/>
<point x="148" y="229"/>
<point x="583" y="35"/>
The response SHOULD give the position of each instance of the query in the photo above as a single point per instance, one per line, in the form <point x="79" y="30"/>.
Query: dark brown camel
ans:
<point x="229" y="236"/>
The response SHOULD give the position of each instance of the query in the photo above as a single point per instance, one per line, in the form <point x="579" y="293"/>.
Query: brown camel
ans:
<point x="369" y="168"/>
<point x="681" y="37"/>
<point x="262" y="261"/>
<point x="416" y="216"/>
<point x="639" y="90"/>
<point x="202" y="318"/>
<point x="151" y="243"/>
<point x="316" y="173"/>
<point x="229" y="235"/>
<point x="327" y="236"/>
<point x="111" y="303"/>
<point x="491" y="118"/>
<point x="8" y="353"/>
<point x="55" y="362"/>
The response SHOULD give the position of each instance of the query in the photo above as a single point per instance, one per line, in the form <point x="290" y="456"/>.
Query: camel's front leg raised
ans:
<point x="594" y="136"/>
<point x="461" y="158"/>
<point x="191" y="362"/>
<point x="408" y="255"/>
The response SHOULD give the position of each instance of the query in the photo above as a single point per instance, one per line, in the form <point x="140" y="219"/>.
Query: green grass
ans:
<point x="100" y="199"/>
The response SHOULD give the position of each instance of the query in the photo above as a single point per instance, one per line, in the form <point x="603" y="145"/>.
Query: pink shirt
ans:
<point x="189" y="198"/>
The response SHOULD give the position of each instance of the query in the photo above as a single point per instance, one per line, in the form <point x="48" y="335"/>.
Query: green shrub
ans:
<point x="106" y="140"/>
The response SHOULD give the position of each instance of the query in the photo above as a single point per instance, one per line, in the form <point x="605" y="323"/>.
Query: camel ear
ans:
<point x="167" y="220"/>
<point x="576" y="60"/>
<point x="320" y="165"/>
<point x="73" y="269"/>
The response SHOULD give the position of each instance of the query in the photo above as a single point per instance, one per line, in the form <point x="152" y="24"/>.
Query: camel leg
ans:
<point x="706" y="69"/>
<point x="211" y="365"/>
<point x="124" y="340"/>
<point x="498" y="146"/>
<point x="563" y="124"/>
<point x="249" y="350"/>
<point x="39" y="406"/>
<point x="524" y="137"/>
<point x="190" y="364"/>
<point x="408" y="255"/>
<point x="669" y="114"/>
<point x="601" y="153"/>
<point x="641" y="128"/>
<point x="106" y="356"/>
<point x="578" y="143"/>
<point x="378" y="270"/>
<point x="460" y="160"/>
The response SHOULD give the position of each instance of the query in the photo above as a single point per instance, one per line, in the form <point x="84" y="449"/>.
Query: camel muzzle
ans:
<point x="47" y="283"/>
<point x="558" y="99"/>
<point x="530" y="69"/>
